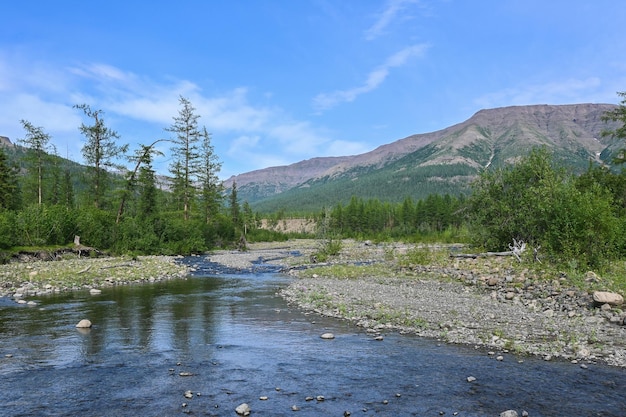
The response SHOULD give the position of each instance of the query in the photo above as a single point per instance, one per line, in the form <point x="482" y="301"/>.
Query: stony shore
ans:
<point x="22" y="281"/>
<point x="484" y="302"/>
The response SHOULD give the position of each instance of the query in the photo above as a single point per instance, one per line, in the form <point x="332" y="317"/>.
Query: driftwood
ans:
<point x="480" y="255"/>
<point x="517" y="248"/>
<point x="82" y="271"/>
<point x="127" y="264"/>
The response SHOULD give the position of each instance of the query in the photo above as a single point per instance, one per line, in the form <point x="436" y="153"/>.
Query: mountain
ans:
<point x="444" y="161"/>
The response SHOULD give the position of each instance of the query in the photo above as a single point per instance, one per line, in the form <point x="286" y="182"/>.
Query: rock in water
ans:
<point x="84" y="324"/>
<point x="327" y="336"/>
<point x="509" y="413"/>
<point x="243" y="410"/>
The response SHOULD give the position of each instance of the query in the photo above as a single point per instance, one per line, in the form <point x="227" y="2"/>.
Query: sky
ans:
<point x="280" y="81"/>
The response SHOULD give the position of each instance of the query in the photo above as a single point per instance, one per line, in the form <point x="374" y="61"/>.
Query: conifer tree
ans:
<point x="185" y="154"/>
<point x="208" y="168"/>
<point x="37" y="141"/>
<point x="99" y="151"/>
<point x="9" y="191"/>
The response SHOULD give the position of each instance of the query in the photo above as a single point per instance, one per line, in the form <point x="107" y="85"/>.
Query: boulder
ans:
<point x="327" y="336"/>
<point x="606" y="297"/>
<point x="509" y="413"/>
<point x="84" y="324"/>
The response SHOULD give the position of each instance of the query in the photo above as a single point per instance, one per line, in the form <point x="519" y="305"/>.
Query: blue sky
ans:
<point x="280" y="81"/>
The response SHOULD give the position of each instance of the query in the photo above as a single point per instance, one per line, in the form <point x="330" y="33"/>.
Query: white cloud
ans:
<point x="553" y="92"/>
<point x="375" y="78"/>
<point x="248" y="135"/>
<point x="391" y="11"/>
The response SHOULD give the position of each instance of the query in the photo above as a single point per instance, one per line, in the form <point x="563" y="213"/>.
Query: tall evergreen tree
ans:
<point x="9" y="191"/>
<point x="99" y="151"/>
<point x="235" y="211"/>
<point x="209" y="167"/>
<point x="37" y="141"/>
<point x="185" y="153"/>
<point x="142" y="158"/>
<point x="147" y="190"/>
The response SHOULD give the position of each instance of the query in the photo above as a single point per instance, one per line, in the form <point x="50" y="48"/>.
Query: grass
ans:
<point x="347" y="271"/>
<point x="74" y="272"/>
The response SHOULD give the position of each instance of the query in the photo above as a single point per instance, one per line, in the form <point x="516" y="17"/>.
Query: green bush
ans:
<point x="8" y="229"/>
<point x="329" y="247"/>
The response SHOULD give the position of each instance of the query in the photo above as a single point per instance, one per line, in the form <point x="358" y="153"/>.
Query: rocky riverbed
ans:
<point x="486" y="302"/>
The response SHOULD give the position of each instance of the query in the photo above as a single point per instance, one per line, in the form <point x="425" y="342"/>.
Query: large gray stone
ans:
<point x="606" y="297"/>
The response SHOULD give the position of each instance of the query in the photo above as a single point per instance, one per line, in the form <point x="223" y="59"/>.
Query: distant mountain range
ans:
<point x="444" y="161"/>
<point x="441" y="162"/>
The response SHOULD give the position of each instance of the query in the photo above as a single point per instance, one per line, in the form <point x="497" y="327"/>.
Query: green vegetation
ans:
<point x="574" y="222"/>
<point x="45" y="201"/>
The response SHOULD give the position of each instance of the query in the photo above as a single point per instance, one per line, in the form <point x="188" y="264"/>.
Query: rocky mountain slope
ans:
<point x="445" y="160"/>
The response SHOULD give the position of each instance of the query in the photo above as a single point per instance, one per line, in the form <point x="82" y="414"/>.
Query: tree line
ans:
<point x="46" y="200"/>
<point x="567" y="218"/>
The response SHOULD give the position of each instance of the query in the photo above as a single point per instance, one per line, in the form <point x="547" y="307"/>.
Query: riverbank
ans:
<point x="490" y="303"/>
<point x="22" y="281"/>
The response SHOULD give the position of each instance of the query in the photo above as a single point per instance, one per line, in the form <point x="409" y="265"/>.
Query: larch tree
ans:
<point x="185" y="154"/>
<point x="99" y="151"/>
<point x="208" y="169"/>
<point x="142" y="157"/>
<point x="235" y="210"/>
<point x="37" y="141"/>
<point x="9" y="191"/>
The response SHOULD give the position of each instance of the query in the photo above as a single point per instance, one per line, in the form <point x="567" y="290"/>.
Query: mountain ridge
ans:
<point x="490" y="137"/>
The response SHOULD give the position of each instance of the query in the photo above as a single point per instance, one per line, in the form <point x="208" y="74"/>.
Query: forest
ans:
<point x="46" y="201"/>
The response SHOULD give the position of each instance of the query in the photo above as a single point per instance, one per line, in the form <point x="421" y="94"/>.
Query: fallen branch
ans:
<point x="517" y="248"/>
<point x="82" y="271"/>
<point x="119" y="265"/>
<point x="479" y="255"/>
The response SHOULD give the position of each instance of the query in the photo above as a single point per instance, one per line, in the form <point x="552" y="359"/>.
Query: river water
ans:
<point x="241" y="343"/>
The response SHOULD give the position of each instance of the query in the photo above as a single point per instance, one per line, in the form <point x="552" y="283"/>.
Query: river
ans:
<point x="239" y="342"/>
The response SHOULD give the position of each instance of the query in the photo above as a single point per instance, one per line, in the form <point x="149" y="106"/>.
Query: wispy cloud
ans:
<point x="391" y="11"/>
<point x="375" y="78"/>
<point x="572" y="90"/>
<point x="249" y="136"/>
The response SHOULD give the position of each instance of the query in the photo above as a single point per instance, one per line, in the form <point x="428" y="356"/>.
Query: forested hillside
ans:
<point x="441" y="162"/>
